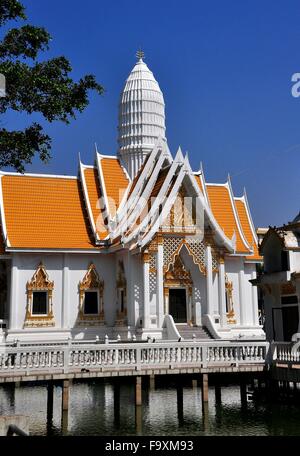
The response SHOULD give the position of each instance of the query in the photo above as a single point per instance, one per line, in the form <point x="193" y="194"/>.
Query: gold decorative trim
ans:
<point x="176" y="253"/>
<point x="146" y="257"/>
<point x="121" y="284"/>
<point x="229" y="290"/>
<point x="39" y="282"/>
<point x="91" y="281"/>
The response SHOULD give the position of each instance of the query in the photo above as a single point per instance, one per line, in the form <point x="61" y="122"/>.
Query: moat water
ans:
<point x="167" y="410"/>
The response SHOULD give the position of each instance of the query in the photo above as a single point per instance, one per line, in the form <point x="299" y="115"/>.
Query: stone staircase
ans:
<point x="187" y="331"/>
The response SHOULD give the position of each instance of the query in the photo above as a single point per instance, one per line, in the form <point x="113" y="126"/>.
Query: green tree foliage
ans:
<point x="35" y="86"/>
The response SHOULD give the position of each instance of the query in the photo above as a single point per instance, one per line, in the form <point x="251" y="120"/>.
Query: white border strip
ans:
<point x="105" y="213"/>
<point x="87" y="200"/>
<point x="55" y="176"/>
<point x="31" y="250"/>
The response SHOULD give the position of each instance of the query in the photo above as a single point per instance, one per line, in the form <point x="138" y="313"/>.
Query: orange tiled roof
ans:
<point x="93" y="190"/>
<point x="45" y="212"/>
<point x="221" y="206"/>
<point x="246" y="225"/>
<point x="115" y="179"/>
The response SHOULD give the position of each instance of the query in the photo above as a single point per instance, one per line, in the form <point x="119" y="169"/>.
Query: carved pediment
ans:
<point x="40" y="280"/>
<point x="178" y="272"/>
<point x="91" y="280"/>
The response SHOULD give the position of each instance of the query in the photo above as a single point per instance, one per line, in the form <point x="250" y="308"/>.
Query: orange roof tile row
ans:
<point x="42" y="212"/>
<point x="115" y="180"/>
<point x="245" y="222"/>
<point x="222" y="209"/>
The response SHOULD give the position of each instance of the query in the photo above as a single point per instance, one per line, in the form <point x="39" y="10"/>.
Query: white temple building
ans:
<point x="280" y="281"/>
<point x="136" y="244"/>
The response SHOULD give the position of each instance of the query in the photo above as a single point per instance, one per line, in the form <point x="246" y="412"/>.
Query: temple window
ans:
<point x="91" y="307"/>
<point x="39" y="303"/>
<point x="90" y="302"/>
<point x="39" y="309"/>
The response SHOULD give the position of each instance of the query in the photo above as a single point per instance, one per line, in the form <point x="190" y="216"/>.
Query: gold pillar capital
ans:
<point x="146" y="257"/>
<point x="159" y="239"/>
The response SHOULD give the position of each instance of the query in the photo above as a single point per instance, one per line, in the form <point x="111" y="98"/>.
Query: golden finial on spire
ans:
<point x="140" y="54"/>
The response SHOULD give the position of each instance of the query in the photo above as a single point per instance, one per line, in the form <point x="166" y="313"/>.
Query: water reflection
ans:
<point x="104" y="408"/>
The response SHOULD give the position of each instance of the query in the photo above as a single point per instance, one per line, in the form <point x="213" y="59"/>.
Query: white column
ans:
<point x="209" y="280"/>
<point x="65" y="293"/>
<point x="166" y="301"/>
<point x="222" y="293"/>
<point x="242" y="294"/>
<point x="130" y="302"/>
<point x="254" y="300"/>
<point x="146" y="321"/>
<point x="14" y="287"/>
<point x="159" y="285"/>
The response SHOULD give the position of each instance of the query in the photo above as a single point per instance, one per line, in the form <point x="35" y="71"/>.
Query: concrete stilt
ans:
<point x="152" y="382"/>
<point x="205" y="416"/>
<point x="194" y="383"/>
<point x="204" y="389"/>
<point x="65" y="395"/>
<point x="64" y="422"/>
<point x="138" y="391"/>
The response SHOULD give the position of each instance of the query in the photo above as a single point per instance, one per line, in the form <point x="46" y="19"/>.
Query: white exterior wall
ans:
<point x="26" y="265"/>
<point x="294" y="258"/>
<point x="215" y="306"/>
<point x="248" y="296"/>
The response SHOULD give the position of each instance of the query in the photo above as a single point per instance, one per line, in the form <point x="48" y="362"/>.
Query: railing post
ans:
<point x="138" y="358"/>
<point x="204" y="355"/>
<point x="66" y="358"/>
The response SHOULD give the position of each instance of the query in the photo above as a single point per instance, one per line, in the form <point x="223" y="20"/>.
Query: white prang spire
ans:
<point x="141" y="116"/>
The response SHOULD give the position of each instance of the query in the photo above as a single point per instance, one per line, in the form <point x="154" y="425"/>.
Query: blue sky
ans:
<point x="225" y="71"/>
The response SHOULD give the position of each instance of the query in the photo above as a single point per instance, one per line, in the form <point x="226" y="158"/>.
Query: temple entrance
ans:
<point x="177" y="304"/>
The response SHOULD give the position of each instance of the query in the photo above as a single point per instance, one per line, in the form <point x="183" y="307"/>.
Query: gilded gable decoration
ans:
<point x="91" y="283"/>
<point x="195" y="247"/>
<point x="177" y="274"/>
<point x="181" y="218"/>
<point x="40" y="286"/>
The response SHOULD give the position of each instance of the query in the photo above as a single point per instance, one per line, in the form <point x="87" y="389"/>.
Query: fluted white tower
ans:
<point x="141" y="117"/>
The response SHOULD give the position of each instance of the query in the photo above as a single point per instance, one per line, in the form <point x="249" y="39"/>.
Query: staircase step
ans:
<point x="186" y="331"/>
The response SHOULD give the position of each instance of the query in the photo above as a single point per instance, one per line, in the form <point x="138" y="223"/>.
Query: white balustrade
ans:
<point x="74" y="357"/>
